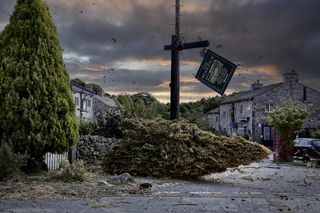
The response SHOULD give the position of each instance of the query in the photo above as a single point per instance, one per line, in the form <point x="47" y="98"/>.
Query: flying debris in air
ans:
<point x="133" y="82"/>
<point x="114" y="40"/>
<point x="219" y="46"/>
<point x="81" y="12"/>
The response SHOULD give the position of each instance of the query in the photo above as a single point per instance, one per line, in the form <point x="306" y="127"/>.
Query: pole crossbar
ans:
<point x="190" y="45"/>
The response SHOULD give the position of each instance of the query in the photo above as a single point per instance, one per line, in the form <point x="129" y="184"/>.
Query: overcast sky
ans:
<point x="118" y="44"/>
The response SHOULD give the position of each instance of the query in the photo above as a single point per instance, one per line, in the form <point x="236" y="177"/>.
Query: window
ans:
<point x="269" y="107"/>
<point x="85" y="106"/>
<point x="89" y="103"/>
<point x="217" y="119"/>
<point x="224" y="114"/>
<point x="241" y="109"/>
<point x="304" y="142"/>
<point x="316" y="143"/>
<point x="77" y="100"/>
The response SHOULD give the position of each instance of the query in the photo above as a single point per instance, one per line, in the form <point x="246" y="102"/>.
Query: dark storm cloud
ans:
<point x="134" y="80"/>
<point x="280" y="35"/>
<point x="141" y="34"/>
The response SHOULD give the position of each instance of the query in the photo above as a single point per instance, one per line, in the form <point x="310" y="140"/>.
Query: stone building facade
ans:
<point x="245" y="112"/>
<point x="91" y="105"/>
<point x="104" y="106"/>
<point x="83" y="98"/>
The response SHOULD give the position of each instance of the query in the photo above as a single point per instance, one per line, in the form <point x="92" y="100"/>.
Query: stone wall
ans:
<point x="214" y="119"/>
<point x="279" y="95"/>
<point x="225" y="118"/>
<point x="92" y="148"/>
<point x="251" y="115"/>
<point x="243" y="117"/>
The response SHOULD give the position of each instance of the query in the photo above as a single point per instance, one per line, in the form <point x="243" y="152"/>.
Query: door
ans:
<point x="267" y="136"/>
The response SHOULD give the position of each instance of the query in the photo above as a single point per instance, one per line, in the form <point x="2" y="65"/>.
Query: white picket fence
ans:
<point x="52" y="160"/>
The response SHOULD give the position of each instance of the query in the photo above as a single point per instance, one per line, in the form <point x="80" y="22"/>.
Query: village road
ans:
<point x="259" y="187"/>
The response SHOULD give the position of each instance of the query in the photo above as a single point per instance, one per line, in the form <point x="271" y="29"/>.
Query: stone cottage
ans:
<point x="245" y="112"/>
<point x="91" y="105"/>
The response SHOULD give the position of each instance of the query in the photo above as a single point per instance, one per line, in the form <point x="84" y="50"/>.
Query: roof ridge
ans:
<point x="309" y="87"/>
<point x="249" y="94"/>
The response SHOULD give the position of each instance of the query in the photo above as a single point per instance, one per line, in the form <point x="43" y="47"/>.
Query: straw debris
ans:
<point x="176" y="149"/>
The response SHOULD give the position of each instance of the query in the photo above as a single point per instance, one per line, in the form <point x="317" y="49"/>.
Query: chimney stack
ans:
<point x="291" y="77"/>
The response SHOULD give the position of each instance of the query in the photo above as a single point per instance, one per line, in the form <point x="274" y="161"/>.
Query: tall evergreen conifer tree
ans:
<point x="37" y="110"/>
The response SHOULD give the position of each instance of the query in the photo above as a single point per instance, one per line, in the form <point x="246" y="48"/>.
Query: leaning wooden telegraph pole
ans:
<point x="175" y="47"/>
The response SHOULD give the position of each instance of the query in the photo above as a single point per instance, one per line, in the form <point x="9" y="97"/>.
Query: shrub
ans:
<point x="72" y="172"/>
<point x="84" y="128"/>
<point x="287" y="119"/>
<point x="108" y="126"/>
<point x="10" y="162"/>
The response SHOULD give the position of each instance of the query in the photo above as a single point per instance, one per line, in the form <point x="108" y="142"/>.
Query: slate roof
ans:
<point x="78" y="88"/>
<point x="214" y="111"/>
<point x="250" y="94"/>
<point x="106" y="100"/>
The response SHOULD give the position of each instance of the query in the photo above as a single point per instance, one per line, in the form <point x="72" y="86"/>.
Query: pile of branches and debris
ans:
<point x="177" y="149"/>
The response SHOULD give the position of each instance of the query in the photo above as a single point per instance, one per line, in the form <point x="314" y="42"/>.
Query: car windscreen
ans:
<point x="316" y="143"/>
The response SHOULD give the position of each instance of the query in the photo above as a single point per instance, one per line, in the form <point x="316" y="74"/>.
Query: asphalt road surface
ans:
<point x="259" y="187"/>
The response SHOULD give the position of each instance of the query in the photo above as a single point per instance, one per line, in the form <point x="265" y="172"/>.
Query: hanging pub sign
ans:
<point x="216" y="72"/>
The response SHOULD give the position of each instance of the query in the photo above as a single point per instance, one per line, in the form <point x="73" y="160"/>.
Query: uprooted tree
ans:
<point x="176" y="149"/>
<point x="37" y="111"/>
